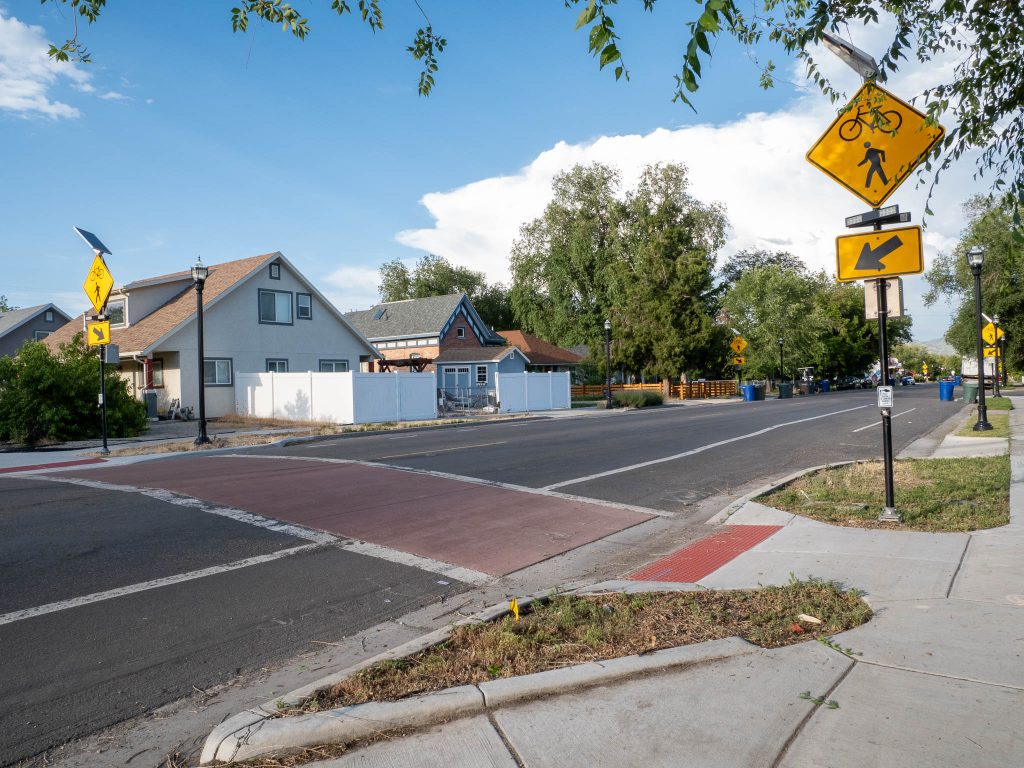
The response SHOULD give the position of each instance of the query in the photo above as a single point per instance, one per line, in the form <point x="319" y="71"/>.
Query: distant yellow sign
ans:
<point x="992" y="352"/>
<point x="991" y="334"/>
<point x="98" y="283"/>
<point x="887" y="253"/>
<point x="873" y="145"/>
<point x="98" y="332"/>
<point x="739" y="360"/>
<point x="738" y="344"/>
<point x="924" y="367"/>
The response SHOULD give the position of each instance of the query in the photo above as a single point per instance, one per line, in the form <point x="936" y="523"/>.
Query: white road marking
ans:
<point x="404" y="437"/>
<point x="467" y="575"/>
<point x="439" y="450"/>
<point x="465" y="479"/>
<point x="876" y="423"/>
<point x="694" y="451"/>
<point x="95" y="597"/>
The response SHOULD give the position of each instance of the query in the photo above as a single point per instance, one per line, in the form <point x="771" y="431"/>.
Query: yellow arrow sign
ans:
<point x="738" y="344"/>
<point x="886" y="253"/>
<point x="98" y="332"/>
<point x="98" y="283"/>
<point x="874" y="144"/>
<point x="739" y="360"/>
<point x="991" y="352"/>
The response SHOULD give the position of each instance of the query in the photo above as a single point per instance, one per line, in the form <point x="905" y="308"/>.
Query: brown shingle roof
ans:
<point x="138" y="337"/>
<point x="538" y="351"/>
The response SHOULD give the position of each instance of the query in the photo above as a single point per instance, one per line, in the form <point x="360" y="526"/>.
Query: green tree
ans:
<point x="743" y="261"/>
<point x="46" y="396"/>
<point x="436" y="276"/>
<point x="990" y="226"/>
<point x="4" y="306"/>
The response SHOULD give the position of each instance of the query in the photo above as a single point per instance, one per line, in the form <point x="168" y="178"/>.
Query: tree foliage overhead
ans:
<point x="744" y="261"/>
<point x="644" y="261"/>
<point x="951" y="283"/>
<point x="436" y="276"/>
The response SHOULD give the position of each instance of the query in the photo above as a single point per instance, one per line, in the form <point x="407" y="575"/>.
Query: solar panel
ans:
<point x="93" y="241"/>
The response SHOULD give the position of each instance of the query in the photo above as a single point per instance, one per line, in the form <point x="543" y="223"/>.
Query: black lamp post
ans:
<point x="975" y="258"/>
<point x="782" y="367"/>
<point x="199" y="274"/>
<point x="608" y="361"/>
<point x="999" y="356"/>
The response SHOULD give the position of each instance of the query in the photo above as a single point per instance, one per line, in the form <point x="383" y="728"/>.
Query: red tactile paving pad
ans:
<point x="694" y="562"/>
<point x="494" y="530"/>
<point x="51" y="465"/>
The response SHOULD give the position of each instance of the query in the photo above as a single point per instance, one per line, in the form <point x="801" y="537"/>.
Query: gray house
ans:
<point x="30" y="324"/>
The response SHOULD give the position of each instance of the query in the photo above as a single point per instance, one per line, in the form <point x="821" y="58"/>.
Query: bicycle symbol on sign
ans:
<point x="888" y="121"/>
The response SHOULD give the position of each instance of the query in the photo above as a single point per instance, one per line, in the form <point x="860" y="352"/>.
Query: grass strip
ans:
<point x="961" y="494"/>
<point x="573" y="629"/>
<point x="1000" y="426"/>
<point x="999" y="403"/>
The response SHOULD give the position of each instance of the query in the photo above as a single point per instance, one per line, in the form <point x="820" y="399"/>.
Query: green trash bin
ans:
<point x="970" y="392"/>
<point x="785" y="390"/>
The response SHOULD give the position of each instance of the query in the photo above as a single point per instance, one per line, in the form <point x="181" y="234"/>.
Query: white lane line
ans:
<point x="439" y="450"/>
<point x="403" y="437"/>
<point x="466" y="479"/>
<point x="95" y="597"/>
<point x="694" y="451"/>
<point x="160" y="494"/>
<point x="876" y="423"/>
<point x="441" y="568"/>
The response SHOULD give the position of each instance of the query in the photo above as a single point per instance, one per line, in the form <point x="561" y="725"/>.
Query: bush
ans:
<point x="636" y="398"/>
<point x="54" y="396"/>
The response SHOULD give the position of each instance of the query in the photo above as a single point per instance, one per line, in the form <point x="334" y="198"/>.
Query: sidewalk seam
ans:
<point x="807" y="718"/>
<point x="513" y="753"/>
<point x="880" y="665"/>
<point x="959" y="565"/>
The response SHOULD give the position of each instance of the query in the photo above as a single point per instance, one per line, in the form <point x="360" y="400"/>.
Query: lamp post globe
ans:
<point x="199" y="274"/>
<point x="975" y="260"/>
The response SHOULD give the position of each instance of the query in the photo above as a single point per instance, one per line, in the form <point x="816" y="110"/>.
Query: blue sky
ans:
<point x="182" y="138"/>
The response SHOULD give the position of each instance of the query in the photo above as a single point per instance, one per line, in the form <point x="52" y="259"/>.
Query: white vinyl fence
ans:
<point x="339" y="398"/>
<point x="518" y="392"/>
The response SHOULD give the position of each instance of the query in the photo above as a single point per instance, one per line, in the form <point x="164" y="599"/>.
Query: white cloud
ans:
<point x="114" y="96"/>
<point x="353" y="288"/>
<point x="27" y="73"/>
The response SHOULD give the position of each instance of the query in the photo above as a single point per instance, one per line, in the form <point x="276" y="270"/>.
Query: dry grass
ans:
<point x="963" y="494"/>
<point x="571" y="629"/>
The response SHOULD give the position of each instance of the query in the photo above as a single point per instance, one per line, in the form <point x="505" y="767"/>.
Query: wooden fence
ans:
<point x="693" y="389"/>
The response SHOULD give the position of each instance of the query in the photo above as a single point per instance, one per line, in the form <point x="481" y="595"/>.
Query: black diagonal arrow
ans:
<point x="99" y="334"/>
<point x="872" y="258"/>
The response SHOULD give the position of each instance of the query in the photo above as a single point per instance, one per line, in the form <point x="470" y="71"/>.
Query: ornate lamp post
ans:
<point x="608" y="361"/>
<point x="782" y="366"/>
<point x="999" y="355"/>
<point x="975" y="258"/>
<point x="199" y="274"/>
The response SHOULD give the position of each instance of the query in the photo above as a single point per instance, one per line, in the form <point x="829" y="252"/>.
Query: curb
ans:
<point x="261" y="731"/>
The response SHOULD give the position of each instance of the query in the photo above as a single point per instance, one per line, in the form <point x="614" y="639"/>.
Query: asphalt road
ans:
<point x="84" y="664"/>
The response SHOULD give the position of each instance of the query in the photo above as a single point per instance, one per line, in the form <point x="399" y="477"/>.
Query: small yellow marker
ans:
<point x="514" y="607"/>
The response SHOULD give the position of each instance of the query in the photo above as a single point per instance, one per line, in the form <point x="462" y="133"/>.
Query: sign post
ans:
<point x="97" y="286"/>
<point x="737" y="345"/>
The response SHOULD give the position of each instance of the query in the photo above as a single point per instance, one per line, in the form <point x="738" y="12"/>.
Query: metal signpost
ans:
<point x="871" y="148"/>
<point x="97" y="286"/>
<point x="737" y="345"/>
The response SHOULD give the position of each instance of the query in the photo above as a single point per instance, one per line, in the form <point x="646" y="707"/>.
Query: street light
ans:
<point x="861" y="63"/>
<point x="975" y="258"/>
<point x="782" y="366"/>
<point x="999" y="356"/>
<point x="608" y="361"/>
<point x="199" y="274"/>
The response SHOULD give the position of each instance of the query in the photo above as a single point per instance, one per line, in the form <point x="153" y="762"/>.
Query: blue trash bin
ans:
<point x="946" y="390"/>
<point x="957" y="380"/>
<point x="749" y="394"/>
<point x="823" y="385"/>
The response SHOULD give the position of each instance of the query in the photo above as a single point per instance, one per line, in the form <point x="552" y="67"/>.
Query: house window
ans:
<point x="40" y="335"/>
<point x="304" y="306"/>
<point x="276" y="307"/>
<point x="48" y="317"/>
<point x="414" y="355"/>
<point x="275" y="271"/>
<point x="156" y="372"/>
<point x="217" y="372"/>
<point x="460" y="333"/>
<point x="116" y="313"/>
<point x="481" y="374"/>
<point x="277" y="365"/>
<point x="334" y="366"/>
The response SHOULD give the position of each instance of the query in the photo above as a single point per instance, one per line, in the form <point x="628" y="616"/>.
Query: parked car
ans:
<point x="849" y="382"/>
<point x="905" y="380"/>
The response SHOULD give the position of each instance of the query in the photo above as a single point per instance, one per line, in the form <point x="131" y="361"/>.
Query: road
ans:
<point x="126" y="587"/>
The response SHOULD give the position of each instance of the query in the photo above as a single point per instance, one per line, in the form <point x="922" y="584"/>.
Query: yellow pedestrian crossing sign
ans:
<point x="874" y="144"/>
<point x="739" y="360"/>
<point x="98" y="283"/>
<point x="98" y="332"/>
<point x="738" y="344"/>
<point x="991" y="334"/>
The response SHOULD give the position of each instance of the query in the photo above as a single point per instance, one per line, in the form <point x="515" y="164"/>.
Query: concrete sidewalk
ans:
<point x="936" y="677"/>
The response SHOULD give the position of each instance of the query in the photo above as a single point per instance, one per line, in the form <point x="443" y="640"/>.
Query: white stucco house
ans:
<point x="259" y="314"/>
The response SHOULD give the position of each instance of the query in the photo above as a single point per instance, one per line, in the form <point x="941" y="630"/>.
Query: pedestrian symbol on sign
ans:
<point x="875" y="158"/>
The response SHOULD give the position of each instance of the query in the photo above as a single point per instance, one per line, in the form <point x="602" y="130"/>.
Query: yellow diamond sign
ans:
<point x="991" y="334"/>
<point x="738" y="344"/>
<point x="874" y="144"/>
<point x="886" y="253"/>
<point x="98" y="283"/>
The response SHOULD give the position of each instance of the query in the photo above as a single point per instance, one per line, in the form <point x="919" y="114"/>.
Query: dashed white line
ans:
<point x="701" y="449"/>
<point x="876" y="423"/>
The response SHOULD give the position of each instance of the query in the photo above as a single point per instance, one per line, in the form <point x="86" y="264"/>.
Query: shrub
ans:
<point x="54" y="396"/>
<point x="636" y="398"/>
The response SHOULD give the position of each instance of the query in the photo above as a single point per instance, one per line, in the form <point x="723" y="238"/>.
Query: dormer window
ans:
<point x="116" y="313"/>
<point x="275" y="271"/>
<point x="460" y="333"/>
<point x="48" y="317"/>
